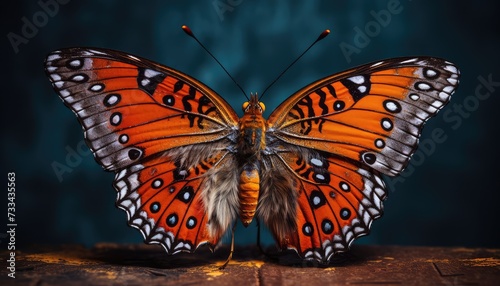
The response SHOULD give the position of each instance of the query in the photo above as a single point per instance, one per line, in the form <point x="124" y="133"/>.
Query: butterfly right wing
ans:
<point x="372" y="114"/>
<point x="336" y="202"/>
<point x="352" y="126"/>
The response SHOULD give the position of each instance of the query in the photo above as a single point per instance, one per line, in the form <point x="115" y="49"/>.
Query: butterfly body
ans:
<point x="251" y="143"/>
<point x="187" y="167"/>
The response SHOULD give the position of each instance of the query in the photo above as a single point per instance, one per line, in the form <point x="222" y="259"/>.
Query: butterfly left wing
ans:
<point x="166" y="200"/>
<point x="165" y="135"/>
<point x="131" y="108"/>
<point x="336" y="136"/>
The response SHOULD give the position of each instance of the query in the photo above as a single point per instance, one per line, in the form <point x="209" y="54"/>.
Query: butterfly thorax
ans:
<point x="252" y="128"/>
<point x="251" y="142"/>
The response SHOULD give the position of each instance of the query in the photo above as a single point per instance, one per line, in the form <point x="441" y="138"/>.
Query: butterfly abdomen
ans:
<point x="249" y="192"/>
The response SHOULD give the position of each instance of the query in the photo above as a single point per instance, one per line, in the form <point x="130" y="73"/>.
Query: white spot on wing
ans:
<point x="112" y="100"/>
<point x="437" y="104"/>
<point x="443" y="95"/>
<point x="133" y="57"/>
<point x="122" y="193"/>
<point x="316" y="162"/>
<point x="156" y="183"/>
<point x="380" y="192"/>
<point x="147" y="229"/>
<point x="121" y="185"/>
<point x="115" y="119"/>
<point x="448" y="89"/>
<point x="423" y="86"/>
<point x="75" y="63"/>
<point x="452" y="80"/>
<point x="451" y="68"/>
<point x="151" y="73"/>
<point x="97" y="52"/>
<point x="78" y="78"/>
<point x="59" y="84"/>
<point x="430" y="73"/>
<point x="53" y="57"/>
<point x="379" y="180"/>
<point x="316" y="201"/>
<point x="344" y="186"/>
<point x="137" y="221"/>
<point x="409" y="61"/>
<point x="179" y="245"/>
<point x="87" y="53"/>
<point x="414" y="97"/>
<point x="121" y="174"/>
<point x="391" y="106"/>
<point x="386" y="124"/>
<point x="357" y="79"/>
<point x="97" y="87"/>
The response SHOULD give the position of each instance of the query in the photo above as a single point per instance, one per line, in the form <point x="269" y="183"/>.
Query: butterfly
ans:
<point x="187" y="167"/>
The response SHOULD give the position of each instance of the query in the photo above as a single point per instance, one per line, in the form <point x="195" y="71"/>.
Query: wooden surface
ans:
<point x="112" y="264"/>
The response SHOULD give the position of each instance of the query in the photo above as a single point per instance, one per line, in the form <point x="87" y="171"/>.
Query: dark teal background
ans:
<point x="448" y="197"/>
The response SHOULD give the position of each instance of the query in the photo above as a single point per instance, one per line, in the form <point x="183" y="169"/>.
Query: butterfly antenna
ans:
<point x="321" y="37"/>
<point x="188" y="31"/>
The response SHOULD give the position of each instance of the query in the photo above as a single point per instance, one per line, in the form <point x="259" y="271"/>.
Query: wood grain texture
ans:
<point x="117" y="264"/>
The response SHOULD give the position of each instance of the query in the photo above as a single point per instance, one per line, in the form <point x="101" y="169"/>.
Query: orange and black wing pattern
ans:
<point x="372" y="114"/>
<point x="136" y="115"/>
<point x="337" y="202"/>
<point x="131" y="108"/>
<point x="346" y="130"/>
<point x="163" y="199"/>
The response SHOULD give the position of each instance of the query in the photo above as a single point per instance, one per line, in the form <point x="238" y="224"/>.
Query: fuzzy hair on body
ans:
<point x="219" y="189"/>
<point x="278" y="192"/>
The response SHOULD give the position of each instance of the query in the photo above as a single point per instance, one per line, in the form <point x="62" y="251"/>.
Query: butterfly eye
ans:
<point x="262" y="106"/>
<point x="245" y="105"/>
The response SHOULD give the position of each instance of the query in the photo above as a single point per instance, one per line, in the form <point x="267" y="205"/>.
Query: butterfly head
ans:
<point x="253" y="106"/>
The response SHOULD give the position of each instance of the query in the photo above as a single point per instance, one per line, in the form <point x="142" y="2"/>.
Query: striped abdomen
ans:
<point x="249" y="193"/>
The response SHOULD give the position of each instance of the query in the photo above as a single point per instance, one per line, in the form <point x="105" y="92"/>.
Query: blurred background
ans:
<point x="449" y="195"/>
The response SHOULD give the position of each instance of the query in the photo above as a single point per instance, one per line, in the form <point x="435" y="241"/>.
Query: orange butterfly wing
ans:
<point x="164" y="201"/>
<point x="337" y="202"/>
<point x="123" y="101"/>
<point x="347" y="129"/>
<point x="371" y="114"/>
<point x="137" y="116"/>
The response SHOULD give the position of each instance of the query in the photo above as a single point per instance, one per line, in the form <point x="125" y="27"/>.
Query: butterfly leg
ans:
<point x="258" y="238"/>
<point x="231" y="249"/>
<point x="261" y="249"/>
